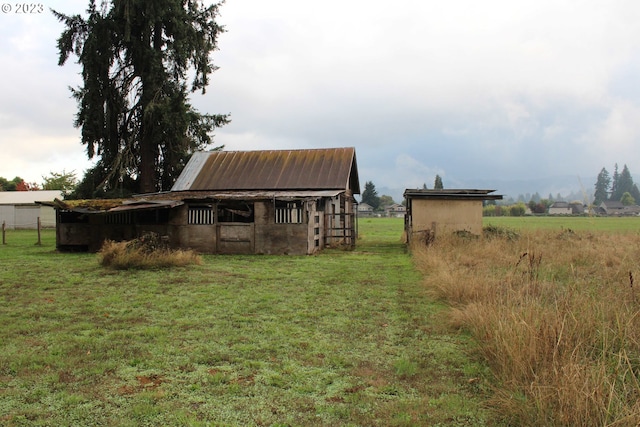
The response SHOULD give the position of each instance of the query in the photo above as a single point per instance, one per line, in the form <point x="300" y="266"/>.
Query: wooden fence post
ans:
<point x="39" y="243"/>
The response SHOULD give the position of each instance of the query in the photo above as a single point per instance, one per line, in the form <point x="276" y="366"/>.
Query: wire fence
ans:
<point x="38" y="226"/>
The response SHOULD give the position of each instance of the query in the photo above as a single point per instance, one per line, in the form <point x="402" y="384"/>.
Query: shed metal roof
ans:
<point x="312" y="169"/>
<point x="452" y="194"/>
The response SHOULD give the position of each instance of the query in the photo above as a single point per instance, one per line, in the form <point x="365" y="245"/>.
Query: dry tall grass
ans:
<point x="146" y="252"/>
<point x="556" y="316"/>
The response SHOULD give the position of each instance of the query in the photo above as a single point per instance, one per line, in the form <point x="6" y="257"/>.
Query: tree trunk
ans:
<point x="151" y="94"/>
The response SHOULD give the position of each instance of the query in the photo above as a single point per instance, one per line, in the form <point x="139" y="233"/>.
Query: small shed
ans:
<point x="20" y="209"/>
<point x="233" y="202"/>
<point x="431" y="212"/>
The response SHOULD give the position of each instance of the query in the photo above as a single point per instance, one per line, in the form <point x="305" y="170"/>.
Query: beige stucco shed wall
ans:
<point x="448" y="215"/>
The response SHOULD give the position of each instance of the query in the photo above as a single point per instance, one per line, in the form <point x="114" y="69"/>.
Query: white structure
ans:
<point x="18" y="209"/>
<point x="364" y="209"/>
<point x="396" y="210"/>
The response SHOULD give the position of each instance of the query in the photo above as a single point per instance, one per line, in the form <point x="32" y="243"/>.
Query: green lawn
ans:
<point x="341" y="338"/>
<point x="620" y="224"/>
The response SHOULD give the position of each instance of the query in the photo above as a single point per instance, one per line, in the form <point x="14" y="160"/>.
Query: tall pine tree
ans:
<point x="602" y="187"/>
<point x="614" y="183"/>
<point x="370" y="195"/>
<point x="133" y="104"/>
<point x="624" y="184"/>
<point x="437" y="184"/>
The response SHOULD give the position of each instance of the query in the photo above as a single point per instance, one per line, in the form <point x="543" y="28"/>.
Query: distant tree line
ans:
<point x="63" y="181"/>
<point x="619" y="187"/>
<point x="492" y="209"/>
<point x="378" y="203"/>
<point x="16" y="184"/>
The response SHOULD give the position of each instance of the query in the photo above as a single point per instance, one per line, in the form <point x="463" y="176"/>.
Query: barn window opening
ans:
<point x="289" y="212"/>
<point x="201" y="215"/>
<point x="152" y="216"/>
<point x="235" y="212"/>
<point x="69" y="217"/>
<point x="118" y="218"/>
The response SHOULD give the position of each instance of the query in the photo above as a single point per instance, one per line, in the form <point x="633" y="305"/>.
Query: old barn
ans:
<point x="431" y="212"/>
<point x="233" y="202"/>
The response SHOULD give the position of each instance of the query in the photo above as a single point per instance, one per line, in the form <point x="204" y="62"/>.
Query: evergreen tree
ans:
<point x="602" y="187"/>
<point x="370" y="195"/>
<point x="133" y="107"/>
<point x="624" y="184"/>
<point x="635" y="193"/>
<point x="614" y="183"/>
<point x="438" y="183"/>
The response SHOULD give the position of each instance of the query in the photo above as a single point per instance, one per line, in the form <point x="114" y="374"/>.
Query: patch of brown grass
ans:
<point x="146" y="252"/>
<point x="556" y="316"/>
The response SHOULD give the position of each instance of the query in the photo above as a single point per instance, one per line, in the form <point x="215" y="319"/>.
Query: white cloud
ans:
<point x="463" y="88"/>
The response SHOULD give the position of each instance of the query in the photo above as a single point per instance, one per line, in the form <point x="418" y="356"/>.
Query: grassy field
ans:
<point x="555" y="312"/>
<point x="341" y="338"/>
<point x="610" y="224"/>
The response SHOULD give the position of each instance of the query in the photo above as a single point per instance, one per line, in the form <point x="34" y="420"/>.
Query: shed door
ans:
<point x="235" y="227"/>
<point x="235" y="238"/>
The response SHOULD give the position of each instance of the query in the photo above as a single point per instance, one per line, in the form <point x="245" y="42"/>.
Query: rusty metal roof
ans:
<point x="312" y="169"/>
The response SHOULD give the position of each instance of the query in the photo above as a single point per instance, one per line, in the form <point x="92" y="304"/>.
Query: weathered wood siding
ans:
<point x="305" y="229"/>
<point x="340" y="221"/>
<point x="447" y="215"/>
<point x="272" y="238"/>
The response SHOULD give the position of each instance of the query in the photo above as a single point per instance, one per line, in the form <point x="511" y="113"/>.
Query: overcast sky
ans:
<point x="470" y="90"/>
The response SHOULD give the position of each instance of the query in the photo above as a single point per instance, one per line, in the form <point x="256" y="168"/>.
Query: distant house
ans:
<point x="19" y="209"/>
<point x="396" y="210"/>
<point x="433" y="212"/>
<point x="365" y="209"/>
<point x="577" y="208"/>
<point x="611" y="207"/>
<point x="233" y="202"/>
<point x="615" y="208"/>
<point x="560" y="208"/>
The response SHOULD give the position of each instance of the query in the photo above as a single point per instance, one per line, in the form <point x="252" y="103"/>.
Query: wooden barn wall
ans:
<point x="272" y="238"/>
<point x="340" y="221"/>
<point x="201" y="238"/>
<point x="315" y="229"/>
<point x="263" y="236"/>
<point x="75" y="230"/>
<point x="448" y="215"/>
